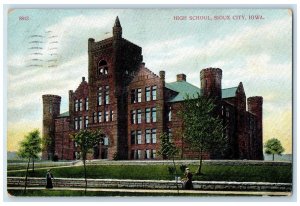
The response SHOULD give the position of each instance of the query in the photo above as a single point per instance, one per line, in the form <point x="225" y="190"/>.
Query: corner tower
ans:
<point x="211" y="79"/>
<point x="255" y="106"/>
<point x="51" y="109"/>
<point x="112" y="65"/>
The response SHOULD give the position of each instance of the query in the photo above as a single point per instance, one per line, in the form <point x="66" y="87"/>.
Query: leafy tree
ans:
<point x="30" y="147"/>
<point x="203" y="130"/>
<point x="168" y="150"/>
<point x="273" y="146"/>
<point x="86" y="140"/>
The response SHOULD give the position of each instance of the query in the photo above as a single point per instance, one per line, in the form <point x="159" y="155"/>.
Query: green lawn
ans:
<point x="160" y="172"/>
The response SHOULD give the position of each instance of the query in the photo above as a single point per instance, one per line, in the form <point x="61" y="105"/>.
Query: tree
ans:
<point x="273" y="146"/>
<point x="168" y="150"/>
<point x="30" y="147"/>
<point x="202" y="128"/>
<point x="86" y="140"/>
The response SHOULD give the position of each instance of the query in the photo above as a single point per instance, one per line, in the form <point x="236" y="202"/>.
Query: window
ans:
<point x="154" y="114"/>
<point x="133" y="117"/>
<point x="112" y="116"/>
<point x="86" y="121"/>
<point x="100" y="96"/>
<point x="106" y="116"/>
<point x="100" y="116"/>
<point x="133" y="137"/>
<point x="139" y="95"/>
<point x="153" y="136"/>
<point x="169" y="114"/>
<point x="170" y="135"/>
<point x="107" y="95"/>
<point x="86" y="104"/>
<point x="139" y="136"/>
<point x="147" y="113"/>
<point x="153" y="154"/>
<point x="76" y="105"/>
<point x="136" y="95"/>
<point x="50" y="108"/>
<point x="102" y="67"/>
<point x="154" y="93"/>
<point x="148" y="95"/>
<point x="76" y="123"/>
<point x="148" y="136"/>
<point x="139" y="116"/>
<point x="80" y="105"/>
<point x="147" y="154"/>
<point x="139" y="154"/>
<point x="105" y="141"/>
<point x="227" y="112"/>
<point x="94" y="117"/>
<point x="80" y="122"/>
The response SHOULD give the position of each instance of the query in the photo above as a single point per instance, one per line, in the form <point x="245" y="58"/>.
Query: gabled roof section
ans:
<point x="183" y="88"/>
<point x="144" y="71"/>
<point x="65" y="114"/>
<point x="229" y="92"/>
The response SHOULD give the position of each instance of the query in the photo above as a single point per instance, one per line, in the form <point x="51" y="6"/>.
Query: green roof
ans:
<point x="229" y="92"/>
<point x="183" y="88"/>
<point x="65" y="114"/>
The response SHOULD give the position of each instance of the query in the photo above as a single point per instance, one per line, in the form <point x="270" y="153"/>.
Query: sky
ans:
<point x="47" y="54"/>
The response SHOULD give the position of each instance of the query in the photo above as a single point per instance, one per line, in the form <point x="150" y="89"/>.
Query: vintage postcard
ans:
<point x="149" y="102"/>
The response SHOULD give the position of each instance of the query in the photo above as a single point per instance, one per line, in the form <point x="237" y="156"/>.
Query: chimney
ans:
<point x="162" y="75"/>
<point x="83" y="79"/>
<point x="181" y="77"/>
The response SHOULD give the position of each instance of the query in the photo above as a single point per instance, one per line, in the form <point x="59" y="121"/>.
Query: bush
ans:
<point x="182" y="168"/>
<point x="171" y="170"/>
<point x="55" y="158"/>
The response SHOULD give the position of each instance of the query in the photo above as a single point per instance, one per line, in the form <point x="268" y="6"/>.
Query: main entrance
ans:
<point x="101" y="151"/>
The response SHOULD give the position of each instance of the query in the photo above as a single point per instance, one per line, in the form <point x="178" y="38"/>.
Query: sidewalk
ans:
<point x="158" y="191"/>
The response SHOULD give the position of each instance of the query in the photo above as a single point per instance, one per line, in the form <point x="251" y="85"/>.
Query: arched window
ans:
<point x="102" y="67"/>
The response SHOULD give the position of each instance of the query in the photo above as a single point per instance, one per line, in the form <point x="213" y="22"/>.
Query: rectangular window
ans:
<point x="147" y="154"/>
<point x="94" y="117"/>
<point x="133" y="137"/>
<point x="100" y="116"/>
<point x="147" y="115"/>
<point x="153" y="154"/>
<point x="107" y="95"/>
<point x="76" y="123"/>
<point x="112" y="118"/>
<point x="148" y="136"/>
<point x="76" y="105"/>
<point x="106" y="116"/>
<point x="169" y="114"/>
<point x="154" y="114"/>
<point x="154" y="93"/>
<point x="147" y="94"/>
<point x="50" y="109"/>
<point x="80" y="122"/>
<point x="86" y="121"/>
<point x="139" y="116"/>
<point x="86" y="104"/>
<point x="139" y="95"/>
<point x="139" y="136"/>
<point x="100" y="96"/>
<point x="170" y="135"/>
<point x="133" y="117"/>
<point x="153" y="136"/>
<point x="132" y="96"/>
<point x="80" y="105"/>
<point x="105" y="142"/>
<point x="139" y="154"/>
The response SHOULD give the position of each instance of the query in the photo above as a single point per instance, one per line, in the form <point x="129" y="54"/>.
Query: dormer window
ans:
<point x="102" y="68"/>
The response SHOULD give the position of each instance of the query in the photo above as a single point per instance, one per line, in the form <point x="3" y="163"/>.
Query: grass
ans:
<point x="239" y="173"/>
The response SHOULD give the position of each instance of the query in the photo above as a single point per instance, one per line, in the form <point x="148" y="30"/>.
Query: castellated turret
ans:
<point x="211" y="79"/>
<point x="51" y="109"/>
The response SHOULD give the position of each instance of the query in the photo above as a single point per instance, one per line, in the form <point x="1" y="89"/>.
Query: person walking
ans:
<point x="49" y="178"/>
<point x="188" y="184"/>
